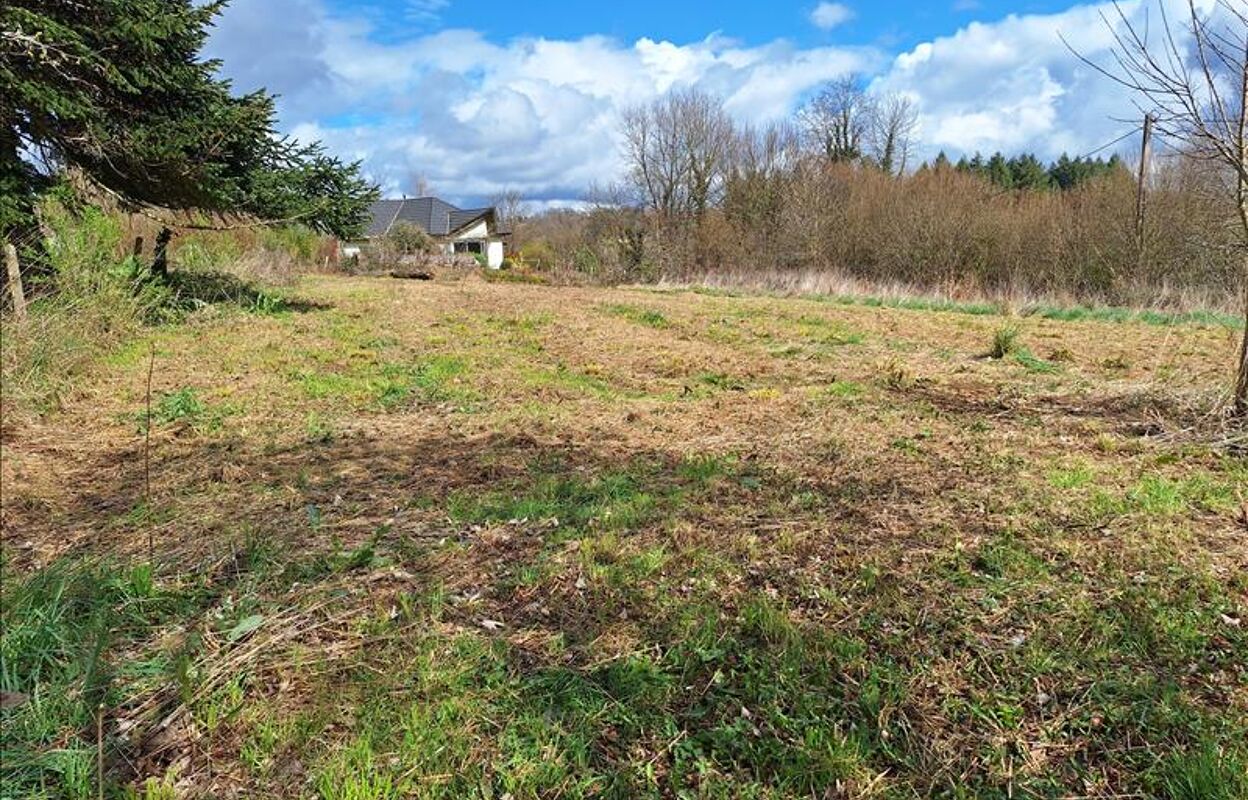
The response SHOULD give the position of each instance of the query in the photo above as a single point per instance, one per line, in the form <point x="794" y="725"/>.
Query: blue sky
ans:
<point x="469" y="99"/>
<point x="889" y="23"/>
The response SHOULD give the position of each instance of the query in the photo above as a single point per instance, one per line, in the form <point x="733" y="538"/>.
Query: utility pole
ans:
<point x="1141" y="192"/>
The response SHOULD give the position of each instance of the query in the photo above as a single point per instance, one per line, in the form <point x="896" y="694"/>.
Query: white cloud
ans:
<point x="829" y="15"/>
<point x="1012" y="85"/>
<point x="473" y="117"/>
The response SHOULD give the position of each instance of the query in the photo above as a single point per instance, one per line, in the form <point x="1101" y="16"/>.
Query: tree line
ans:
<point x="835" y="189"/>
<point x="1028" y="172"/>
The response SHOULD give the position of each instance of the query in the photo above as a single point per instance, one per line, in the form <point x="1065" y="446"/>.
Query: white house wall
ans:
<point x="494" y="254"/>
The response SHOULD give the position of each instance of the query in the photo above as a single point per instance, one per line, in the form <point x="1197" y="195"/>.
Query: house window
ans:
<point x="469" y="247"/>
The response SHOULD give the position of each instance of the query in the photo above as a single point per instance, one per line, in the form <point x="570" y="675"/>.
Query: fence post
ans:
<point x="15" y="281"/>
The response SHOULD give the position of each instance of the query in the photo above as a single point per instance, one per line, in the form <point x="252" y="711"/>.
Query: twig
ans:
<point x="147" y="456"/>
<point x="99" y="751"/>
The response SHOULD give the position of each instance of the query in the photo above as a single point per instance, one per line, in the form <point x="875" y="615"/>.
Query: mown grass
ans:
<point x="809" y="577"/>
<point x="1074" y="313"/>
<point x="648" y="317"/>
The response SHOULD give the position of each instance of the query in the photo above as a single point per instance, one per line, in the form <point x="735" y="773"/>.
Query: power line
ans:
<point x="1108" y="145"/>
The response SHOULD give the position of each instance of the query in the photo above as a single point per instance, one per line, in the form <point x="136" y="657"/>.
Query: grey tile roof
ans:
<point x="436" y="217"/>
<point x="381" y="216"/>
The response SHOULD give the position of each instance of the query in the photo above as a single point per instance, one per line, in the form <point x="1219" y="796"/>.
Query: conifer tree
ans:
<point x="117" y="91"/>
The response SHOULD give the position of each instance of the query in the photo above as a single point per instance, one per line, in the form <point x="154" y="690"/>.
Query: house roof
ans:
<point x="436" y="217"/>
<point x="381" y="215"/>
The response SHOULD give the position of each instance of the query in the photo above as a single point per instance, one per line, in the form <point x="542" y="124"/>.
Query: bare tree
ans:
<point x="652" y="150"/>
<point x="709" y="140"/>
<point x="1192" y="79"/>
<point x="836" y="121"/>
<point x="510" y="206"/>
<point x="759" y="188"/>
<point x="678" y="150"/>
<point x="892" y="123"/>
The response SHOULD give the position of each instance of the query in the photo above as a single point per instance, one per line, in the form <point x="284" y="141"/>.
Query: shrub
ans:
<point x="408" y="239"/>
<point x="1004" y="342"/>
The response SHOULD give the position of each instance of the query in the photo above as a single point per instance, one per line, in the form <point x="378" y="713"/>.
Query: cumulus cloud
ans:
<point x="472" y="116"/>
<point x="1012" y="85"/>
<point x="829" y="15"/>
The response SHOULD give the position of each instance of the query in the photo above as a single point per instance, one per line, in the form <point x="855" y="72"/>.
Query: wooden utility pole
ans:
<point x="15" y="281"/>
<point x="1240" y="400"/>
<point x="1141" y="191"/>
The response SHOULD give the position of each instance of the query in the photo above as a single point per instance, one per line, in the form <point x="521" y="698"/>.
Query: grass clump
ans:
<point x="1004" y="342"/>
<point x="1206" y="773"/>
<point x="642" y="316"/>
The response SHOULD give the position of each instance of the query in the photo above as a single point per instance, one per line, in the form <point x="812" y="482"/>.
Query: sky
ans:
<point x="467" y="100"/>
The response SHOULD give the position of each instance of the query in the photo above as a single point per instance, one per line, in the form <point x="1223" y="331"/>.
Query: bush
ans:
<point x="939" y="231"/>
<point x="408" y="239"/>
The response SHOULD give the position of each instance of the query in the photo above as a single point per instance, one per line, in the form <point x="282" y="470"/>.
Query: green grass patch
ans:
<point x="561" y="376"/>
<point x="391" y="386"/>
<point x="184" y="407"/>
<point x="1028" y="361"/>
<point x="642" y="316"/>
<point x="615" y="500"/>
<point x="63" y="629"/>
<point x="844" y="390"/>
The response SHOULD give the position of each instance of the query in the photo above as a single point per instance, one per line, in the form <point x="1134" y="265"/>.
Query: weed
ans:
<point x="896" y="374"/>
<point x="180" y="406"/>
<point x="1062" y="355"/>
<point x="720" y="380"/>
<point x="1004" y="342"/>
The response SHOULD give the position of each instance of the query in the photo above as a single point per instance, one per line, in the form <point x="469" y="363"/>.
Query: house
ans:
<point x="474" y="231"/>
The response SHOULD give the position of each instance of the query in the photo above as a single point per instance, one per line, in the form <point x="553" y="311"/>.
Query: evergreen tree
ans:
<point x="1026" y="172"/>
<point x="998" y="171"/>
<point x="117" y="91"/>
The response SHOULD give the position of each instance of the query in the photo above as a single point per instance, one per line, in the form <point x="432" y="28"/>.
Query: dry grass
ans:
<point x="516" y="539"/>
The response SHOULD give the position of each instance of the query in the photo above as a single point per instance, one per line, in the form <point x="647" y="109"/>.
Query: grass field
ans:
<point x="509" y="541"/>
